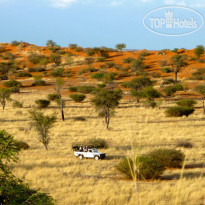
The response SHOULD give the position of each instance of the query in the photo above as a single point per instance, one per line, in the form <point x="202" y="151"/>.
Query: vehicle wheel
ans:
<point x="96" y="158"/>
<point x="80" y="156"/>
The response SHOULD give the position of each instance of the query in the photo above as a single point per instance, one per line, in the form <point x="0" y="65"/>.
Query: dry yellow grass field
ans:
<point x="71" y="181"/>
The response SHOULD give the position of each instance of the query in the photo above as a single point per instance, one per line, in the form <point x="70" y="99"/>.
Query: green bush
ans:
<point x="175" y="50"/>
<point x="85" y="89"/>
<point x="98" y="143"/>
<point x="73" y="89"/>
<point x="36" y="69"/>
<point x="17" y="104"/>
<point x="186" y="102"/>
<point x="12" y="83"/>
<point x="4" y="77"/>
<point x="170" y="90"/>
<point x="53" y="97"/>
<point x="22" y="145"/>
<point x="87" y="70"/>
<point x="170" y="158"/>
<point x="14" y="89"/>
<point x="101" y="59"/>
<point x="23" y="74"/>
<point x="110" y="64"/>
<point x="38" y="81"/>
<point x="184" y="143"/>
<point x="178" y="87"/>
<point x="77" y="97"/>
<point x="35" y="58"/>
<point x="42" y="103"/>
<point x="128" y="60"/>
<point x="166" y="70"/>
<point x="15" y="43"/>
<point x="168" y="81"/>
<point x="147" y="167"/>
<point x="8" y="56"/>
<point x="98" y="76"/>
<point x="126" y="84"/>
<point x="101" y="85"/>
<point x="58" y="72"/>
<point x="179" y="111"/>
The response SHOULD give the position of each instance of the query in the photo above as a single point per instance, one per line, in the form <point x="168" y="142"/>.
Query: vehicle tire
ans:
<point x="80" y="157"/>
<point x="96" y="157"/>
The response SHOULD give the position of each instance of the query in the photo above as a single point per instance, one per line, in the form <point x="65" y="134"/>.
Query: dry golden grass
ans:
<point x="71" y="181"/>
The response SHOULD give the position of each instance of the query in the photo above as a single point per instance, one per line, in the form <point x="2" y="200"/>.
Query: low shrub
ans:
<point x="17" y="104"/>
<point x="184" y="144"/>
<point x="98" y="76"/>
<point x="128" y="60"/>
<point x="144" y="53"/>
<point x="4" y="77"/>
<point x="178" y="87"/>
<point x="166" y="70"/>
<point x="58" y="72"/>
<point x="168" y="81"/>
<point x="175" y="50"/>
<point x="186" y="102"/>
<point x="8" y="56"/>
<point x="53" y="97"/>
<point x="73" y="89"/>
<point x="170" y="90"/>
<point x="179" y="111"/>
<point x="12" y="83"/>
<point x="35" y="58"/>
<point x="87" y="70"/>
<point x="98" y="143"/>
<point x="85" y="89"/>
<point x="23" y="74"/>
<point x="38" y="81"/>
<point x="170" y="158"/>
<point x="79" y="119"/>
<point x="147" y="167"/>
<point x="22" y="145"/>
<point x="110" y="64"/>
<point x="101" y="59"/>
<point x="42" y="103"/>
<point x="36" y="69"/>
<point x="126" y="84"/>
<point x="101" y="85"/>
<point x="15" y="43"/>
<point x="77" y="97"/>
<point x="14" y="89"/>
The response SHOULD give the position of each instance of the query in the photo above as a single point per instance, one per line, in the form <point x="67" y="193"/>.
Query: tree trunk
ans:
<point x="175" y="76"/>
<point x="108" y="122"/>
<point x="62" y="115"/>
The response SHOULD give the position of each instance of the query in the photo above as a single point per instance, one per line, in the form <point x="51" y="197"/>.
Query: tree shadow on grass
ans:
<point x="186" y="175"/>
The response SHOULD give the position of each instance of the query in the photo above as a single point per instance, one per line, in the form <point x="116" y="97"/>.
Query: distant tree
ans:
<point x="120" y="46"/>
<point x="44" y="62"/>
<point x="56" y="58"/>
<point x="4" y="96"/>
<point x="106" y="101"/>
<point x="198" y="51"/>
<point x="35" y="58"/>
<point x="58" y="88"/>
<point x="51" y="43"/>
<point x="151" y="94"/>
<point x="137" y="86"/>
<point x="201" y="90"/>
<point x="73" y="46"/>
<point x="178" y="62"/>
<point x="42" y="124"/>
<point x="6" y="67"/>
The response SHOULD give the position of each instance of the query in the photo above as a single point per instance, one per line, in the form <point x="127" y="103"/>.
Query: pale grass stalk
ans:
<point x="180" y="181"/>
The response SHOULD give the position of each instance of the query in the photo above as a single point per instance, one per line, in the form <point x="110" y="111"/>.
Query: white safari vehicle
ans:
<point x="87" y="152"/>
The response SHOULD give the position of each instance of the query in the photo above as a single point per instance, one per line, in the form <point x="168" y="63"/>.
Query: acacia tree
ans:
<point x="50" y="43"/>
<point x="4" y="96"/>
<point x="198" y="51"/>
<point x="120" y="46"/>
<point x="178" y="62"/>
<point x="105" y="102"/>
<point x="42" y="124"/>
<point x="151" y="94"/>
<point x="58" y="88"/>
<point x="201" y="90"/>
<point x="56" y="58"/>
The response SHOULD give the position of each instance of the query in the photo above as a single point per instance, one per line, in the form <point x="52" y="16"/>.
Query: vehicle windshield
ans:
<point x="95" y="150"/>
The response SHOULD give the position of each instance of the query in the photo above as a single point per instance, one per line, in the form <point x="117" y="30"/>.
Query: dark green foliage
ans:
<point x="8" y="56"/>
<point x="110" y="64"/>
<point x="17" y="104"/>
<point x="101" y="59"/>
<point x="42" y="103"/>
<point x="38" y="81"/>
<point x="35" y="58"/>
<point x="184" y="143"/>
<point x="51" y="43"/>
<point x="97" y="143"/>
<point x="77" y="97"/>
<point x="151" y="93"/>
<point x="166" y="70"/>
<point x="53" y="97"/>
<point x="128" y="60"/>
<point x="146" y="168"/>
<point x="186" y="103"/>
<point x="106" y="101"/>
<point x="109" y="77"/>
<point x="126" y="84"/>
<point x="98" y="76"/>
<point x="6" y="67"/>
<point x="14" y="89"/>
<point x="101" y="85"/>
<point x="72" y="46"/>
<point x="15" y="43"/>
<point x="4" y="77"/>
<point x="179" y="111"/>
<point x="23" y="74"/>
<point x="22" y="145"/>
<point x="175" y="50"/>
<point x="60" y="52"/>
<point x="12" y="83"/>
<point x="170" y="158"/>
<point x="36" y="69"/>
<point x="170" y="90"/>
<point x="120" y="46"/>
<point x="4" y="96"/>
<point x="137" y="65"/>
<point x="168" y="81"/>
<point x="144" y="53"/>
<point x="55" y="58"/>
<point x="42" y="124"/>
<point x="85" y="89"/>
<point x="198" y="51"/>
<point x="73" y="89"/>
<point x="58" y="72"/>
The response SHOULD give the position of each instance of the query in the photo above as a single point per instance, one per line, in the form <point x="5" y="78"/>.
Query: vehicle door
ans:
<point x="89" y="153"/>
